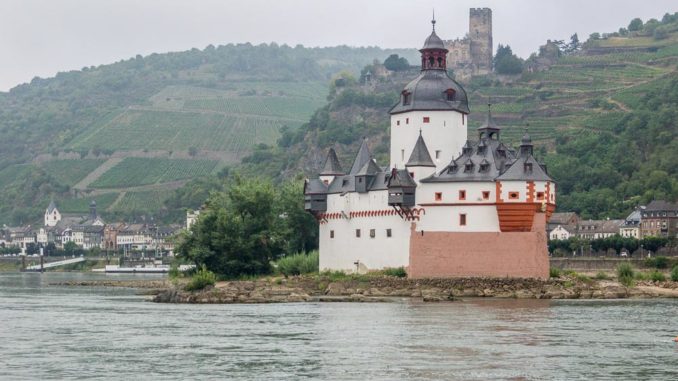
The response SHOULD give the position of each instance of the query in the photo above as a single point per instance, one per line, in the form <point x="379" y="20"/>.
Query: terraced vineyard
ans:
<point x="134" y="171"/>
<point x="582" y="94"/>
<point x="69" y="172"/>
<point x="227" y="120"/>
<point x="136" y="201"/>
<point x="81" y="205"/>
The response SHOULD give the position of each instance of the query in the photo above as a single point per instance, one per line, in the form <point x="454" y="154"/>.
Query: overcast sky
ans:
<point x="41" y="38"/>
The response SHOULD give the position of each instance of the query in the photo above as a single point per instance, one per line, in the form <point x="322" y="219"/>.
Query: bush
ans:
<point x="601" y="275"/>
<point x="554" y="272"/>
<point x="657" y="276"/>
<point x="625" y="274"/>
<point x="201" y="279"/>
<point x="396" y="272"/>
<point x="174" y="272"/>
<point x="674" y="274"/>
<point x="297" y="264"/>
<point x="657" y="262"/>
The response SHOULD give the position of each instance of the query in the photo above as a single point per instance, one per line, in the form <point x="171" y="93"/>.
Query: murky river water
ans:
<point x="106" y="333"/>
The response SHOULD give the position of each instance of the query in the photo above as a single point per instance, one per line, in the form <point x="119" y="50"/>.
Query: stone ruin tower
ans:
<point x="472" y="54"/>
<point x="480" y="37"/>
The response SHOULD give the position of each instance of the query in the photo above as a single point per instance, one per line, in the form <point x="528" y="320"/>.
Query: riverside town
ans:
<point x="448" y="198"/>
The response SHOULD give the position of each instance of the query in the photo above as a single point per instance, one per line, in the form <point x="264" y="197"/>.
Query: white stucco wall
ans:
<point x="342" y="251"/>
<point x="446" y="132"/>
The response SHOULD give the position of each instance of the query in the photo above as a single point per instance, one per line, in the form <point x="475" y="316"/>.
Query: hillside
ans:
<point x="140" y="128"/>
<point x="604" y="119"/>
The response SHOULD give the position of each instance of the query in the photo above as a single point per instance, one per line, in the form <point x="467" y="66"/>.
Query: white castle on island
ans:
<point x="445" y="206"/>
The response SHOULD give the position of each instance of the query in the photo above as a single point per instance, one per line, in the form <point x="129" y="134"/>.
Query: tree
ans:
<point x="242" y="229"/>
<point x="574" y="44"/>
<point x="635" y="25"/>
<point x="71" y="248"/>
<point x="505" y="62"/>
<point x="396" y="63"/>
<point x="594" y="36"/>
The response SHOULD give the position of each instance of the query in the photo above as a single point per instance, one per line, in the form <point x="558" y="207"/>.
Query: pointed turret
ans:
<point x="420" y="156"/>
<point x="361" y="158"/>
<point x="489" y="129"/>
<point x="331" y="167"/>
<point x="526" y="146"/>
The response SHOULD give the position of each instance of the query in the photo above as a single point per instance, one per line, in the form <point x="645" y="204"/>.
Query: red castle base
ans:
<point x="505" y="254"/>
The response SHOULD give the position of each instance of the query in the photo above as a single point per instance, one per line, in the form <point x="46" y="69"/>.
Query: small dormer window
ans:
<point x="468" y="167"/>
<point x="452" y="169"/>
<point x="484" y="167"/>
<point x="528" y="167"/>
<point x="449" y="95"/>
<point x="407" y="97"/>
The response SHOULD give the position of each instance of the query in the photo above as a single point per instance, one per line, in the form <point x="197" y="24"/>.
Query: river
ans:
<point x="54" y="332"/>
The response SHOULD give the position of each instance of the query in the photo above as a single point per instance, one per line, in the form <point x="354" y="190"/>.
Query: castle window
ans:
<point x="463" y="119"/>
<point x="540" y="195"/>
<point x="449" y="94"/>
<point x="388" y="233"/>
<point x="397" y="123"/>
<point x="412" y="175"/>
<point x="462" y="219"/>
<point x="438" y="196"/>
<point x="407" y="120"/>
<point x="513" y="195"/>
<point x="402" y="154"/>
<point x="462" y="195"/>
<point x="406" y="97"/>
<point x="427" y="119"/>
<point x="373" y="233"/>
<point x="486" y="195"/>
<point x="357" y="233"/>
<point x="437" y="154"/>
<point x="326" y="182"/>
<point x="331" y="233"/>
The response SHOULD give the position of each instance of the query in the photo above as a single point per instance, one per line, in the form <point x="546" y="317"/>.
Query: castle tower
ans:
<point x="434" y="106"/>
<point x="480" y="36"/>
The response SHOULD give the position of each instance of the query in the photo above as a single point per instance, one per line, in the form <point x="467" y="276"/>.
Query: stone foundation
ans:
<point x="482" y="254"/>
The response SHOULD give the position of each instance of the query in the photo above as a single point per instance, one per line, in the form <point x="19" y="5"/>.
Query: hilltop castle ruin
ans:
<point x="472" y="54"/>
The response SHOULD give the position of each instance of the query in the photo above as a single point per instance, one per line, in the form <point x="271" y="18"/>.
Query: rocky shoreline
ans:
<point x="386" y="289"/>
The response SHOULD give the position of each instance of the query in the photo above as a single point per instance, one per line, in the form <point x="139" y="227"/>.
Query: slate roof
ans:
<point x="428" y="93"/>
<point x="315" y="186"/>
<point x="562" y="218"/>
<point x="332" y="165"/>
<point x="420" y="156"/>
<point x="370" y="168"/>
<point x="661" y="205"/>
<point x="493" y="154"/>
<point x="433" y="42"/>
<point x="362" y="157"/>
<point x="525" y="167"/>
<point x="51" y="207"/>
<point x="400" y="178"/>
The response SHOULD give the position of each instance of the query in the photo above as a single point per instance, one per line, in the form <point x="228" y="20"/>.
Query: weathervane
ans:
<point x="433" y="20"/>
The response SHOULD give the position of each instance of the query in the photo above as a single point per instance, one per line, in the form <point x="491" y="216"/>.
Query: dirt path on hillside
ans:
<point x="95" y="174"/>
<point x="142" y="188"/>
